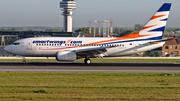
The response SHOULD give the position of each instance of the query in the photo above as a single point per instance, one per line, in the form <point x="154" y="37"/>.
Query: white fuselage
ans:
<point x="49" y="46"/>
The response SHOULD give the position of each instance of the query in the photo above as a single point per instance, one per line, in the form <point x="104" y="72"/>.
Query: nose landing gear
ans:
<point x="24" y="61"/>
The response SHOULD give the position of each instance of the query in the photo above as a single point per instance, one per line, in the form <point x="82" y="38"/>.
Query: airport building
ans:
<point x="172" y="47"/>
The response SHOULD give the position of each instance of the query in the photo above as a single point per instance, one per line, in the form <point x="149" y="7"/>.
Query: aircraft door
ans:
<point x="29" y="45"/>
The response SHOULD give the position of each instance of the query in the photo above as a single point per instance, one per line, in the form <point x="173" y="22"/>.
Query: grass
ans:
<point x="16" y="86"/>
<point x="99" y="60"/>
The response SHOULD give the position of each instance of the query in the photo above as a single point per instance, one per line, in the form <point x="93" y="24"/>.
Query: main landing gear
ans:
<point x="87" y="61"/>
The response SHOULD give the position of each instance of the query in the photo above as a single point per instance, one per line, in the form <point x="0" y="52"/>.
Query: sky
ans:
<point x="47" y="13"/>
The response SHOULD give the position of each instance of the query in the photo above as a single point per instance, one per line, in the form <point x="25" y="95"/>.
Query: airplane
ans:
<point x="73" y="48"/>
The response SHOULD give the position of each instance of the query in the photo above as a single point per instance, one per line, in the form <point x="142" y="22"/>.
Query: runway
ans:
<point x="95" y="67"/>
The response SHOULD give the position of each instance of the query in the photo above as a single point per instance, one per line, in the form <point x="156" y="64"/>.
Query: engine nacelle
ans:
<point x="66" y="56"/>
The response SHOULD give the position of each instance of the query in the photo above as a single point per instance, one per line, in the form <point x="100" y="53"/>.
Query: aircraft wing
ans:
<point x="93" y="51"/>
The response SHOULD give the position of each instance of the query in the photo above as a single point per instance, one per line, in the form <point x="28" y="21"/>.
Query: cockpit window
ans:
<point x="16" y="43"/>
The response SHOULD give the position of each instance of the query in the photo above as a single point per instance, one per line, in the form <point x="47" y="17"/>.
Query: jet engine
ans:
<point x="66" y="56"/>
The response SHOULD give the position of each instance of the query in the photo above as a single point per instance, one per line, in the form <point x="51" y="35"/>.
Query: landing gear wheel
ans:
<point x="24" y="61"/>
<point x="87" y="61"/>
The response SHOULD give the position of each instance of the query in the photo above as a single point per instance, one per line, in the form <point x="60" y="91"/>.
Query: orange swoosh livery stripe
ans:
<point x="147" y="27"/>
<point x="157" y="16"/>
<point x="131" y="36"/>
<point x="69" y="41"/>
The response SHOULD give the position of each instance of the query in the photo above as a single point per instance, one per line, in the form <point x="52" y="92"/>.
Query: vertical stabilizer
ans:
<point x="156" y="25"/>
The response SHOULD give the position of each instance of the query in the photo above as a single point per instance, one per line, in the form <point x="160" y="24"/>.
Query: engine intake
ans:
<point x="66" y="56"/>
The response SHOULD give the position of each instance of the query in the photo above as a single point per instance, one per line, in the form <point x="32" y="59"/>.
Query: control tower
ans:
<point x="67" y="7"/>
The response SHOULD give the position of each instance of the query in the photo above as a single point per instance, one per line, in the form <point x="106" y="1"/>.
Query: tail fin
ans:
<point x="156" y="25"/>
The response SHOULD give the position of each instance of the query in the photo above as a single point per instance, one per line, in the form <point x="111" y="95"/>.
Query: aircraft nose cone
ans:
<point x="7" y="48"/>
